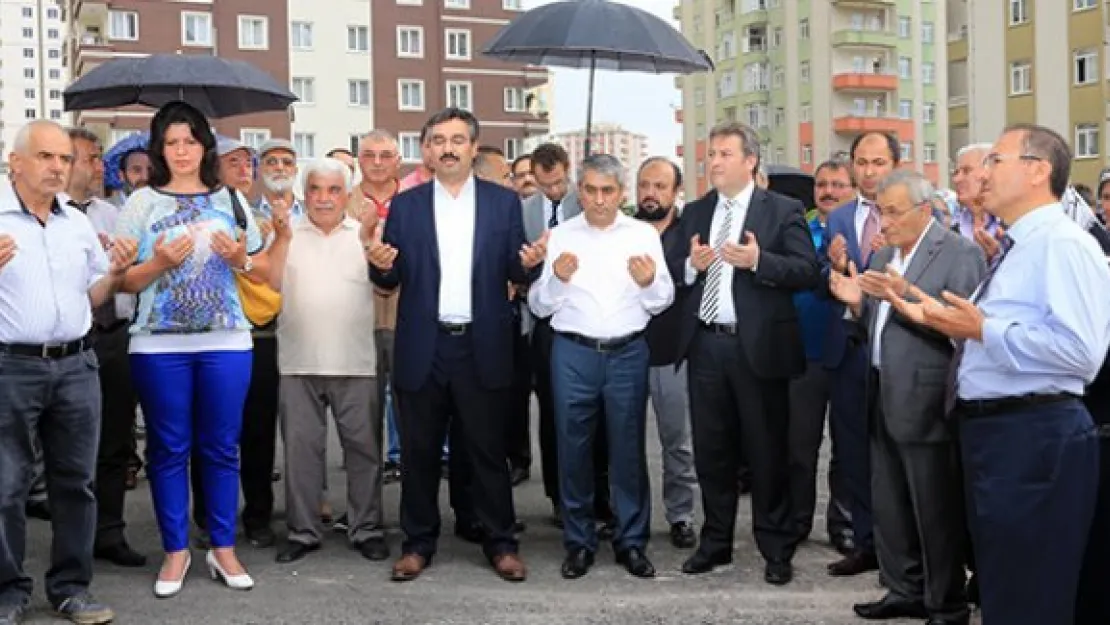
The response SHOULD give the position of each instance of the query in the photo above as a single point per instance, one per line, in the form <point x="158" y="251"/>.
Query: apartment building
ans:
<point x="1039" y="61"/>
<point x="810" y="75"/>
<point x="426" y="55"/>
<point x="32" y="72"/>
<point x="605" y="138"/>
<point x="250" y="30"/>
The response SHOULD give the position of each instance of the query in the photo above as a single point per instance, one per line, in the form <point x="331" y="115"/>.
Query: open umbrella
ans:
<point x="596" y="34"/>
<point x="791" y="182"/>
<point x="215" y="86"/>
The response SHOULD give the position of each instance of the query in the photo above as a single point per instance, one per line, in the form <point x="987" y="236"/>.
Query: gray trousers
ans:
<point x="671" y="403"/>
<point x="304" y="401"/>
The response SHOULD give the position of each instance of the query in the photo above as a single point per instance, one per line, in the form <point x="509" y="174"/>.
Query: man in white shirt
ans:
<point x="607" y="278"/>
<point x="327" y="360"/>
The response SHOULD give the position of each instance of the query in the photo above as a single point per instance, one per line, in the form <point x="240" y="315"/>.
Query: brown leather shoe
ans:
<point x="408" y="567"/>
<point x="510" y="567"/>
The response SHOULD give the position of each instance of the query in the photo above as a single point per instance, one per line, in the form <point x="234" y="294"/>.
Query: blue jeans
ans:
<point x="193" y="398"/>
<point x="583" y="381"/>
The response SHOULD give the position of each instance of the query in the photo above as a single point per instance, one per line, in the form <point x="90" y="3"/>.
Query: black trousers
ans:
<point x="453" y="391"/>
<point x="732" y="409"/>
<point x="257" y="443"/>
<point x="117" y="425"/>
<point x="519" y="430"/>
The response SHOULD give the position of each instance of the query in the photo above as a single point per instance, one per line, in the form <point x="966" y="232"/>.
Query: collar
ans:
<point x="1034" y="219"/>
<point x="743" y="198"/>
<point x="296" y="210"/>
<point x="6" y="206"/>
<point x="306" y="224"/>
<point x="396" y="190"/>
<point x="916" y="245"/>
<point x="467" y="188"/>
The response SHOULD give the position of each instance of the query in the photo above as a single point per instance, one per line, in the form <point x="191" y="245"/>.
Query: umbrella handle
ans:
<point x="590" y="101"/>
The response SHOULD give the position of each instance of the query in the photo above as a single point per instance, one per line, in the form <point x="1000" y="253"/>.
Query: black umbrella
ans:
<point x="217" y="87"/>
<point x="791" y="182"/>
<point x="596" y="34"/>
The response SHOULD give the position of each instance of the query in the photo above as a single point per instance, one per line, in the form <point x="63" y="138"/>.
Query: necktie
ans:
<point x="950" y="389"/>
<point x="554" y="220"/>
<point x="870" y="228"/>
<point x="711" y="296"/>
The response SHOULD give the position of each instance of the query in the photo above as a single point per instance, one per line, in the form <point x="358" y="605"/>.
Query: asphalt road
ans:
<point x="337" y="586"/>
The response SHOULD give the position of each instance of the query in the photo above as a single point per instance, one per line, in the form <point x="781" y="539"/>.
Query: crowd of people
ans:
<point x="953" y="346"/>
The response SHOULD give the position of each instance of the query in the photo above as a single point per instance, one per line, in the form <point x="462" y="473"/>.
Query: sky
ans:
<point x="642" y="103"/>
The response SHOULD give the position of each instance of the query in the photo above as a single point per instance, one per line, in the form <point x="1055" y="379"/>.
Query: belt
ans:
<point x="601" y="345"/>
<point x="454" y="329"/>
<point x="730" y="329"/>
<point x="47" y="350"/>
<point x="972" y="408"/>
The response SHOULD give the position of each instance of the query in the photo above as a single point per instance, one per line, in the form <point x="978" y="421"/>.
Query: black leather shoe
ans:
<point x="636" y="563"/>
<point x="701" y="563"/>
<point x="577" y="563"/>
<point x="519" y="476"/>
<point x="844" y="543"/>
<point x="683" y="536"/>
<point x="120" y="554"/>
<point x="261" y="538"/>
<point x="295" y="551"/>
<point x="854" y="564"/>
<point x="471" y="531"/>
<point x="778" y="572"/>
<point x="890" y="607"/>
<point x="38" y="510"/>
<point x="373" y="549"/>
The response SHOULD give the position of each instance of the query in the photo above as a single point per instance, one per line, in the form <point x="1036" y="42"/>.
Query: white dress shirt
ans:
<point x="601" y="300"/>
<point x="455" y="218"/>
<point x="726" y="311"/>
<point x="548" y="206"/>
<point x="883" y="315"/>
<point x="102" y="215"/>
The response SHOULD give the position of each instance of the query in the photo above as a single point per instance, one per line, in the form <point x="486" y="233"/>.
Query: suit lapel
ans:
<point x="753" y="219"/>
<point x="705" y="218"/>
<point x="854" y="250"/>
<point x="925" y="254"/>
<point x="480" y="216"/>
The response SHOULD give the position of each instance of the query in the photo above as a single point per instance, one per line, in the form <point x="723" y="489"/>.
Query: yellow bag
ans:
<point x="260" y="302"/>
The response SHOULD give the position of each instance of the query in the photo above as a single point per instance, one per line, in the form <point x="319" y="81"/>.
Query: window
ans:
<point x="456" y="4"/>
<point x="410" y="95"/>
<point x="457" y="45"/>
<point x="29" y="72"/>
<point x="55" y="114"/>
<point x="1085" y="4"/>
<point x="1086" y="67"/>
<point x="28" y="12"/>
<point x="410" y="42"/>
<point x="29" y="113"/>
<point x="513" y="149"/>
<point x="803" y="29"/>
<point x="857" y="21"/>
<point x="1021" y="80"/>
<point x="699" y="96"/>
<point x="904" y="27"/>
<point x="410" y="147"/>
<point x="905" y="109"/>
<point x="196" y="29"/>
<point x="28" y="33"/>
<point x="123" y="25"/>
<point x="514" y="100"/>
<point x="55" y="94"/>
<point x="358" y="39"/>
<point x="254" y="32"/>
<point x="928" y="73"/>
<point x="927" y="32"/>
<point x="305" y="90"/>
<point x="300" y="35"/>
<point x="803" y="71"/>
<point x="905" y="67"/>
<point x="305" y="144"/>
<point x="1086" y="140"/>
<point x="1019" y="12"/>
<point x="780" y="117"/>
<point x="807" y="154"/>
<point x="52" y="13"/>
<point x="805" y="113"/>
<point x="907" y="151"/>
<point x="778" y="77"/>
<point x="54" y="53"/>
<point x="254" y="137"/>
<point x="929" y="153"/>
<point x="28" y="53"/>
<point x="776" y="38"/>
<point x="358" y="92"/>
<point x="512" y="5"/>
<point x="55" y="74"/>
<point x="29" y="94"/>
<point x="929" y="112"/>
<point x="52" y="33"/>
<point x="458" y="95"/>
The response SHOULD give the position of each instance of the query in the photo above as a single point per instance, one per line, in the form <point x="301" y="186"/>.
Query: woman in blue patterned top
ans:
<point x="190" y="341"/>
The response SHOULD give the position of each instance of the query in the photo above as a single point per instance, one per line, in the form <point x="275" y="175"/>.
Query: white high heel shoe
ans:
<point x="165" y="590"/>
<point x="234" y="582"/>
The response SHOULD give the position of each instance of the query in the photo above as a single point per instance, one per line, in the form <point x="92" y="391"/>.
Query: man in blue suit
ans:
<point x="853" y="234"/>
<point x="452" y="245"/>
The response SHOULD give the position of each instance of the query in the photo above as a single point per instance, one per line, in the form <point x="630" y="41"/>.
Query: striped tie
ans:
<point x="711" y="294"/>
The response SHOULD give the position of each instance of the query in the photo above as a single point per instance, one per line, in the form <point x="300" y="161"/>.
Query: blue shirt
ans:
<point x="1047" y="324"/>
<point x="814" y="310"/>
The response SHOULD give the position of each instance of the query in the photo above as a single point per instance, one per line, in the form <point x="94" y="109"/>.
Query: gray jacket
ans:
<point x="534" y="225"/>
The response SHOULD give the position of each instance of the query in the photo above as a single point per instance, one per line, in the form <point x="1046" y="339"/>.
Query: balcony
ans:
<point x="86" y="12"/>
<point x="858" y="124"/>
<point x="957" y="100"/>
<point x="865" y="81"/>
<point x="863" y="38"/>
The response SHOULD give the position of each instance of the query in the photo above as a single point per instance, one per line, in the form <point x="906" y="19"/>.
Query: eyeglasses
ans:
<point x="274" y="161"/>
<point x="994" y="158"/>
<point x="894" y="215"/>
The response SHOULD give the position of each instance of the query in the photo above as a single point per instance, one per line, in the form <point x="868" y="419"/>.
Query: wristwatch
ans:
<point x="247" y="266"/>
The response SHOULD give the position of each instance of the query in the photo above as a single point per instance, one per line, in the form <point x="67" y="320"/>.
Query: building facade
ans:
<point x="247" y="30"/>
<point x="1035" y="61"/>
<point x="426" y="55"/>
<point x="810" y="75"/>
<point x="629" y="147"/>
<point x="32" y="69"/>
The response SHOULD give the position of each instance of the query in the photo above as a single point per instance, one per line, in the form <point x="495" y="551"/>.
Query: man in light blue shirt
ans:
<point x="1031" y="338"/>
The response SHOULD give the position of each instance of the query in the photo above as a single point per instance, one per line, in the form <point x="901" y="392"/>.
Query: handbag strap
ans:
<point x="237" y="209"/>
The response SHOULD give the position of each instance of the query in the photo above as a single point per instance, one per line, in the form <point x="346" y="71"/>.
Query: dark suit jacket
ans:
<point x="915" y="359"/>
<point x="498" y="237"/>
<point x="842" y="221"/>
<point x="769" y="330"/>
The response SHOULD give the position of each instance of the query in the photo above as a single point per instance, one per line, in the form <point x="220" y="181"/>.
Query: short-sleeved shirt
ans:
<point x="194" y="306"/>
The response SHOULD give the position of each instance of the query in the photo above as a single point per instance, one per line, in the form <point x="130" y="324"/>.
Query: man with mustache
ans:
<point x="278" y="166"/>
<point x="134" y="170"/>
<point x="657" y="184"/>
<point x="523" y="180"/>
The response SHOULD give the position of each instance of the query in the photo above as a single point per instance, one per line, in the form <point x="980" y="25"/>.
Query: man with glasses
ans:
<point x="278" y="169"/>
<point x="1028" y="341"/>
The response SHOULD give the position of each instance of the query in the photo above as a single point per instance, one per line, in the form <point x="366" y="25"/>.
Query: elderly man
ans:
<point x="236" y="165"/>
<point x="973" y="222"/>
<point x="811" y="392"/>
<point x="1028" y="342"/>
<point x="278" y="169"/>
<point x="490" y="164"/>
<point x="523" y="181"/>
<point x="118" y="399"/>
<point x="608" y="278"/>
<point x="326" y="359"/>
<point x="919" y="513"/>
<point x="53" y="271"/>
